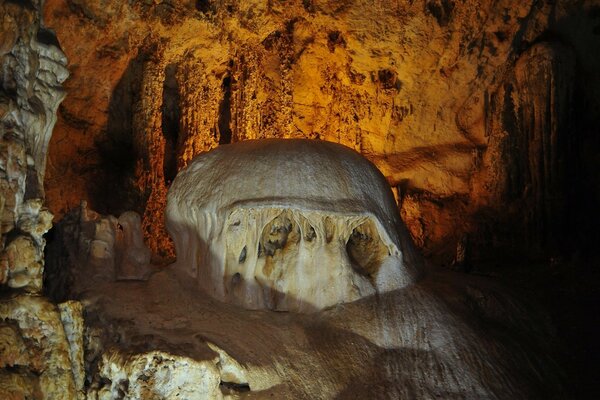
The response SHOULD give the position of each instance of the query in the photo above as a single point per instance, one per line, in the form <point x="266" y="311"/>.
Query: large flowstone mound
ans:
<point x="288" y="225"/>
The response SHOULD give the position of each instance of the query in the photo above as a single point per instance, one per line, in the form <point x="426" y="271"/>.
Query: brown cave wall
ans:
<point x="525" y="165"/>
<point x="464" y="106"/>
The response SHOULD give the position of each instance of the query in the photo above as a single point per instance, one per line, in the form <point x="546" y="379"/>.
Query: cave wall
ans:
<point x="466" y="107"/>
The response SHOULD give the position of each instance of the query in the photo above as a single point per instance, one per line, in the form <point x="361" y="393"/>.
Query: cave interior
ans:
<point x="324" y="199"/>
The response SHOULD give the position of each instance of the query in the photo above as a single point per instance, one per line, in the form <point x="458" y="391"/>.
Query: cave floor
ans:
<point x="452" y="335"/>
<point x="569" y="292"/>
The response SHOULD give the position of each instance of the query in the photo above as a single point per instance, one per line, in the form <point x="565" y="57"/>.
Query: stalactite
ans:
<point x="544" y="76"/>
<point x="528" y="122"/>
<point x="248" y="113"/>
<point x="200" y="97"/>
<point x="150" y="142"/>
<point x="407" y="85"/>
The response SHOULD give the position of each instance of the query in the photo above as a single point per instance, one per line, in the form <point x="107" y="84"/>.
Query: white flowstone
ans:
<point x="288" y="225"/>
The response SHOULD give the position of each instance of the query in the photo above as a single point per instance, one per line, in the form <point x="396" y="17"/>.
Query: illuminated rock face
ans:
<point x="288" y="225"/>
<point x="421" y="88"/>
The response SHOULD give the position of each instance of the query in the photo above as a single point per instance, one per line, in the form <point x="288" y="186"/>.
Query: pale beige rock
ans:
<point x="13" y="351"/>
<point x="107" y="247"/>
<point x="71" y="316"/>
<point x="229" y="369"/>
<point x="32" y="337"/>
<point x="288" y="225"/>
<point x="30" y="92"/>
<point x="40" y="326"/>
<point x="24" y="264"/>
<point x="441" y="335"/>
<point x="156" y="375"/>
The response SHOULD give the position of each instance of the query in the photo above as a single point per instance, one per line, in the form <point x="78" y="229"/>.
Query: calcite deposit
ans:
<point x="43" y="356"/>
<point x="33" y="69"/>
<point x="288" y="225"/>
<point x="132" y="255"/>
<point x="102" y="247"/>
<point x="335" y="241"/>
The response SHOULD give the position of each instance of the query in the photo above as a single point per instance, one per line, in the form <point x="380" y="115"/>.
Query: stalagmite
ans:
<point x="132" y="255"/>
<point x="288" y="225"/>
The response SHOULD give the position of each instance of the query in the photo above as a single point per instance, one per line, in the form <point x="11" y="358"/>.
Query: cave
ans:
<point x="292" y="199"/>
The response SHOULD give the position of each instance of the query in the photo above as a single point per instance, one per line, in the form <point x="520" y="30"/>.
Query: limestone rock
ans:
<point x="30" y="92"/>
<point x="47" y="365"/>
<point x="132" y="255"/>
<point x="438" y="336"/>
<point x="71" y="316"/>
<point x="288" y="225"/>
<point x="12" y="348"/>
<point x="95" y="237"/>
<point x="14" y="386"/>
<point x="34" y="356"/>
<point x="24" y="266"/>
<point x="530" y="148"/>
<point x="103" y="246"/>
<point x="156" y="375"/>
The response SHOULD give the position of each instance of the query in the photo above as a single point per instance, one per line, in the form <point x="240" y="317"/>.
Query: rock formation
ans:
<point x="132" y="255"/>
<point x="368" y="335"/>
<point x="288" y="225"/>
<point x="440" y="337"/>
<point x="101" y="247"/>
<point x="41" y="348"/>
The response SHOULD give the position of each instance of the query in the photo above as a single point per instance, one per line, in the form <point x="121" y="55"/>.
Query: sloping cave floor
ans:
<point x="453" y="335"/>
<point x="568" y="291"/>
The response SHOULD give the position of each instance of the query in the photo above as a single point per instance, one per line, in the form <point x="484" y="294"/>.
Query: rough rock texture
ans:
<point x="33" y="68"/>
<point x="414" y="86"/>
<point x="288" y="225"/>
<point x="39" y="357"/>
<point x="132" y="255"/>
<point x="445" y="336"/>
<point x="71" y="316"/>
<point x="90" y="245"/>
<point x="532" y="113"/>
<point x="42" y="356"/>
<point x="463" y="105"/>
<point x="157" y="375"/>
